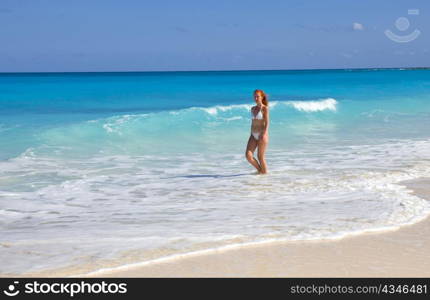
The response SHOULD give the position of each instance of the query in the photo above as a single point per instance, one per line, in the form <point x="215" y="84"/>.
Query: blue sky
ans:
<point x="128" y="35"/>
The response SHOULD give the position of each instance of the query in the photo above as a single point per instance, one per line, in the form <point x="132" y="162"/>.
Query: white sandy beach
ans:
<point x="399" y="253"/>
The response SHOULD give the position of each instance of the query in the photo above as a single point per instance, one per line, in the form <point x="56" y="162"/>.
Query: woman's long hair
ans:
<point x="263" y="94"/>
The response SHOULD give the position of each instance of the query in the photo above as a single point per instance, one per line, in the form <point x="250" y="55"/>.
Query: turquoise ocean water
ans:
<point x="105" y="169"/>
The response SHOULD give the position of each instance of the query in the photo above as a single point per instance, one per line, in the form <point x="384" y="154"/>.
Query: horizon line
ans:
<point x="244" y="70"/>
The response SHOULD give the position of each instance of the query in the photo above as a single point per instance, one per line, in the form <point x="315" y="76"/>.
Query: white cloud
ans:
<point x="357" y="26"/>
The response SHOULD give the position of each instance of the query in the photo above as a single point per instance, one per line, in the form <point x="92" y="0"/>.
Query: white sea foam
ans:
<point x="314" y="106"/>
<point x="310" y="193"/>
<point x="220" y="108"/>
<point x="306" y="106"/>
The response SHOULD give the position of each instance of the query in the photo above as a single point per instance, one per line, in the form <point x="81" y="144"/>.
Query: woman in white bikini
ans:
<point x="259" y="132"/>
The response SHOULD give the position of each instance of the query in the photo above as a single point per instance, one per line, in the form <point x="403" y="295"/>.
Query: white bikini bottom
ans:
<point x="256" y="135"/>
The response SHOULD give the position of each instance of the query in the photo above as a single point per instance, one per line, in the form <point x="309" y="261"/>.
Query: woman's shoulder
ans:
<point x="264" y="108"/>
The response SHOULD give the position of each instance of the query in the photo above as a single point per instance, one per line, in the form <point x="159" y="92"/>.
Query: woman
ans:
<point x="259" y="132"/>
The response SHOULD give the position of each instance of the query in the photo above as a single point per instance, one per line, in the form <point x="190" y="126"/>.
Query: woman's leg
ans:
<point x="249" y="153"/>
<point x="262" y="144"/>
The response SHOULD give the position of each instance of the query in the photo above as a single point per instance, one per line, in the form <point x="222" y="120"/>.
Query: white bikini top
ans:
<point x="259" y="116"/>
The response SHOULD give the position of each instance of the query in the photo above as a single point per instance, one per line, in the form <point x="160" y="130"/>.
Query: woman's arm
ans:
<point x="266" y="120"/>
